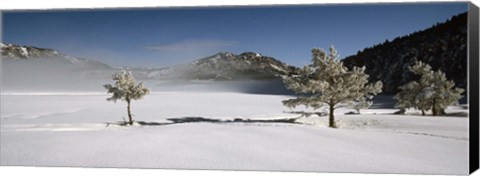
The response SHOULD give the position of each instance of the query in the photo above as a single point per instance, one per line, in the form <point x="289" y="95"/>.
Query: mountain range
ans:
<point x="220" y="66"/>
<point x="27" y="68"/>
<point x="443" y="46"/>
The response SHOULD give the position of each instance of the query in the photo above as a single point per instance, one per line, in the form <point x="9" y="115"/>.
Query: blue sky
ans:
<point x="167" y="36"/>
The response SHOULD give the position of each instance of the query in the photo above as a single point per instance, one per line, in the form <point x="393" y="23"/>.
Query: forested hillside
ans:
<point x="443" y="46"/>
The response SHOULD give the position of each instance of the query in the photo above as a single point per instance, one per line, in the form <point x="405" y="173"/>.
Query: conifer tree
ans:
<point x="431" y="92"/>
<point x="125" y="89"/>
<point x="326" y="82"/>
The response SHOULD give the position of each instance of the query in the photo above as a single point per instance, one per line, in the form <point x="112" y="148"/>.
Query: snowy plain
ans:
<point x="78" y="129"/>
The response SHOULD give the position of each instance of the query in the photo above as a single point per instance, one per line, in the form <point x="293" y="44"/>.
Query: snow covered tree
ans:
<point x="125" y="89"/>
<point x="431" y="92"/>
<point x="362" y="104"/>
<point x="326" y="82"/>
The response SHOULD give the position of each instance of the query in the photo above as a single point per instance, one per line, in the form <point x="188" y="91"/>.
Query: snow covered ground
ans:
<point x="75" y="129"/>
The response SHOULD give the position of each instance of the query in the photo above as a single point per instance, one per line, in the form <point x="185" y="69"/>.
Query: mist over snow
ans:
<point x="50" y="74"/>
<point x="32" y="69"/>
<point x="56" y="75"/>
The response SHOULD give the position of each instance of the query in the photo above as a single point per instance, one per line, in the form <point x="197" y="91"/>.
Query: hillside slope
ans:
<point x="17" y="53"/>
<point x="443" y="46"/>
<point x="221" y="66"/>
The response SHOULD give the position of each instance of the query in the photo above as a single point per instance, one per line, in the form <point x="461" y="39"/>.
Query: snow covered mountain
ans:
<point x="12" y="52"/>
<point x="228" y="66"/>
<point x="26" y="52"/>
<point x="28" y="68"/>
<point x="31" y="68"/>
<point x="222" y="66"/>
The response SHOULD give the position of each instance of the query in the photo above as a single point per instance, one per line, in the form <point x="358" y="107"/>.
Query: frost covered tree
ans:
<point x="358" y="105"/>
<point x="125" y="89"/>
<point x="326" y="82"/>
<point x="431" y="92"/>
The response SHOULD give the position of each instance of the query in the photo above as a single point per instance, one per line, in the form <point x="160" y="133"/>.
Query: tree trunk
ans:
<point x="130" y="120"/>
<point x="442" y="112"/>
<point x="423" y="112"/>
<point x="434" y="110"/>
<point x="331" y="118"/>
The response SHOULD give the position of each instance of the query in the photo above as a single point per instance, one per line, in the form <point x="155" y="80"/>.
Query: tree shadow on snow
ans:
<point x="307" y="114"/>
<point x="136" y="123"/>
<point x="236" y="120"/>
<point x="204" y="120"/>
<point x="458" y="114"/>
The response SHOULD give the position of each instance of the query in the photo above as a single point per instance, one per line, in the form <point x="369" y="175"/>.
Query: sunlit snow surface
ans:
<point x="78" y="129"/>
